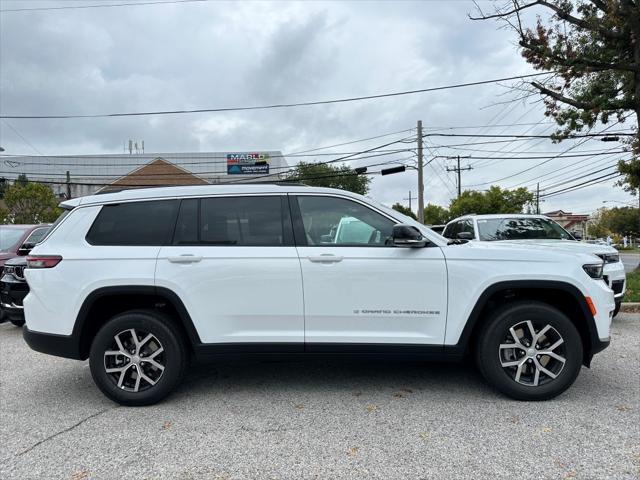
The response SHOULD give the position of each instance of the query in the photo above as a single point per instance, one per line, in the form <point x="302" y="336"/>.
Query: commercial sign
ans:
<point x="248" y="163"/>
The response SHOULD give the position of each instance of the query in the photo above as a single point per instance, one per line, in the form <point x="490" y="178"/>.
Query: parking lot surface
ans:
<point x="320" y="419"/>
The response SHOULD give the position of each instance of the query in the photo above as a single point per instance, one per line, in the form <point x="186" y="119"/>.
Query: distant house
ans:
<point x="89" y="174"/>
<point x="574" y="224"/>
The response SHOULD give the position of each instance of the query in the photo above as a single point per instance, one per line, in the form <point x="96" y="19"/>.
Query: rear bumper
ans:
<point x="65" y="346"/>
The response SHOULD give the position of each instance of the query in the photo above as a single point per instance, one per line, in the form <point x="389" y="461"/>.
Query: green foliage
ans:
<point x="30" y="203"/>
<point x="326" y="175"/>
<point x="405" y="210"/>
<point x="615" y="221"/>
<point x="494" y="200"/>
<point x="594" y="47"/>
<point x="436" y="215"/>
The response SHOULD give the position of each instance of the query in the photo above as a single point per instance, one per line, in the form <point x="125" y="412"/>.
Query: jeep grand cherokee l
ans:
<point x="141" y="281"/>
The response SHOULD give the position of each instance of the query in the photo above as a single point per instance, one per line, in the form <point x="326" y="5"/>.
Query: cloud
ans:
<point x="213" y="54"/>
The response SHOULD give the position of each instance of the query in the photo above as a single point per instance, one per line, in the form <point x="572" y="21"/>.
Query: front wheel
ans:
<point x="138" y="358"/>
<point x="529" y="351"/>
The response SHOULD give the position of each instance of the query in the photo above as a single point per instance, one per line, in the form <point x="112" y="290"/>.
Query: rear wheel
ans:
<point x="138" y="358"/>
<point x="530" y="351"/>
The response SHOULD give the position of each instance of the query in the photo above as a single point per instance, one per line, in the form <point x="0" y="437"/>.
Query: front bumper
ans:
<point x="615" y="277"/>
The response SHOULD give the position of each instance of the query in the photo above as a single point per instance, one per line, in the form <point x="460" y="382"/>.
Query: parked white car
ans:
<point x="140" y="281"/>
<point x="542" y="231"/>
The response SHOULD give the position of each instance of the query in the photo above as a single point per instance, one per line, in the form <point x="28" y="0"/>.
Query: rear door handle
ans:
<point x="186" y="258"/>
<point x="324" y="258"/>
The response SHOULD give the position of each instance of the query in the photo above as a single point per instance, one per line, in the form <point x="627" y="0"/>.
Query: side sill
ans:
<point x="210" y="352"/>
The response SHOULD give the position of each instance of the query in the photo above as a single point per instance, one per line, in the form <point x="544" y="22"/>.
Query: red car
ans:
<point x="14" y="237"/>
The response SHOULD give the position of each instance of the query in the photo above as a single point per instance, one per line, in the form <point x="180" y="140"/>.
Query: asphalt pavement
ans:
<point x="320" y="419"/>
<point x="630" y="260"/>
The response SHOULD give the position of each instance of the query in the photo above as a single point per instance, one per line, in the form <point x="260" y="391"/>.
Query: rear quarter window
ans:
<point x="149" y="223"/>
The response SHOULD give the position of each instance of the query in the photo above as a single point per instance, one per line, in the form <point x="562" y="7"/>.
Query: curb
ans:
<point x="630" y="307"/>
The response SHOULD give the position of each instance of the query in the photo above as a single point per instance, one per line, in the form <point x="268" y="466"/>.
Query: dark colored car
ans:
<point x="13" y="289"/>
<point x="16" y="241"/>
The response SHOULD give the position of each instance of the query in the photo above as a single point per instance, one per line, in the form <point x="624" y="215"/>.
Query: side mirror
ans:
<point x="464" y="236"/>
<point x="408" y="236"/>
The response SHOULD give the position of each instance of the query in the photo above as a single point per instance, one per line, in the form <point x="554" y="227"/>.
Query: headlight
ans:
<point x="610" y="257"/>
<point x="593" y="270"/>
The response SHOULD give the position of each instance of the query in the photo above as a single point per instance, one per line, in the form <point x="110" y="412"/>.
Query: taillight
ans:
<point x="43" y="261"/>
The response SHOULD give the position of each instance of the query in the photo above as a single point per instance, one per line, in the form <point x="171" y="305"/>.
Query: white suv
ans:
<point x="538" y="230"/>
<point x="142" y="281"/>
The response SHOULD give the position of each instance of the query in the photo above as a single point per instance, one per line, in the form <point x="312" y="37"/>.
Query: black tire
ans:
<point x="174" y="357"/>
<point x="17" y="323"/>
<point x="617" y="309"/>
<point x="489" y="354"/>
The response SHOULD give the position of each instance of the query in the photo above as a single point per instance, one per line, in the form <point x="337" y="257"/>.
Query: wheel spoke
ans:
<point x="138" y="377"/>
<point x="519" y="371"/>
<point x="115" y="353"/>
<point x="155" y="364"/>
<point x="554" y="355"/>
<point x="555" y="345"/>
<point x="119" y="343"/>
<point x="122" y="375"/>
<point x="536" y="377"/>
<point x="511" y="345"/>
<point x="549" y="373"/>
<point x="116" y="370"/>
<point x="134" y="337"/>
<point x="155" y="354"/>
<point x="145" y="340"/>
<point x="531" y="330"/>
<point x="515" y="336"/>
<point x="542" y="332"/>
<point x="146" y="378"/>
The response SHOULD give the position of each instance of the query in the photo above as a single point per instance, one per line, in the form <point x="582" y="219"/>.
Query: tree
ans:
<point x="592" y="49"/>
<point x="494" y="200"/>
<point x="326" y="175"/>
<point x="30" y="203"/>
<point x="624" y="221"/>
<point x="405" y="210"/>
<point x="435" y="214"/>
<point x="597" y="225"/>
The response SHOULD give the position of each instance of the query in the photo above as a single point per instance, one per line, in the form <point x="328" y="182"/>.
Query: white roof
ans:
<point x="501" y="215"/>
<point x="199" y="191"/>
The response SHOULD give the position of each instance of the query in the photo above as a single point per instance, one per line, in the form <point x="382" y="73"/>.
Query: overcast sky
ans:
<point x="219" y="54"/>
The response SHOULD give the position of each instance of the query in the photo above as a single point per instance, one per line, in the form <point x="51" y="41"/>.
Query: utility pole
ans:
<point x="538" y="198"/>
<point x="410" y="198"/>
<point x="458" y="170"/>
<point x="68" y="185"/>
<point x="420" y="175"/>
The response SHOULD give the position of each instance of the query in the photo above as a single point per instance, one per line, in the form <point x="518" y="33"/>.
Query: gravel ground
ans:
<point x="320" y="419"/>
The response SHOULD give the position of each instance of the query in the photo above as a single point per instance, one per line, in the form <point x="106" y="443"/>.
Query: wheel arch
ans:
<point x="562" y="295"/>
<point x="103" y="303"/>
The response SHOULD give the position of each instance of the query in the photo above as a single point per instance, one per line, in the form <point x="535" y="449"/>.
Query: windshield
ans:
<point x="491" y="229"/>
<point x="9" y="237"/>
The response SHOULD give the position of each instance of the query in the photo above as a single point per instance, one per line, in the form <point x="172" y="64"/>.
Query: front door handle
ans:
<point x="186" y="258"/>
<point x="324" y="258"/>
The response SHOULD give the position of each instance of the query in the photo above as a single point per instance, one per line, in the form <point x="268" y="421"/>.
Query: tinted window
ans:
<point x="242" y="221"/>
<point x="336" y="221"/>
<point x="467" y="226"/>
<point x="37" y="235"/>
<point x="451" y="230"/>
<point x="136" y="223"/>
<point x="187" y="225"/>
<point x="520" y="228"/>
<point x="9" y="237"/>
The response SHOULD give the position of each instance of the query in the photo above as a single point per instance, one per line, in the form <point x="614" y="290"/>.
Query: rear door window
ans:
<point x="149" y="223"/>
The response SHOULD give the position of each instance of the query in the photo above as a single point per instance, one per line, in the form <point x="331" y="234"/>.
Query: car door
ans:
<point x="234" y="265"/>
<point x="358" y="287"/>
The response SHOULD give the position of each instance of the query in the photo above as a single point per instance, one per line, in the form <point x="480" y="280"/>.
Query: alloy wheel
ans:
<point x="532" y="355"/>
<point x="135" y="361"/>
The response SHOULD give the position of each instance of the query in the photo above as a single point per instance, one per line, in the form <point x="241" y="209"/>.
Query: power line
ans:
<point x="472" y="157"/>
<point x="588" y="183"/>
<point x="104" y="5"/>
<point x="278" y="105"/>
<point x="22" y="137"/>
